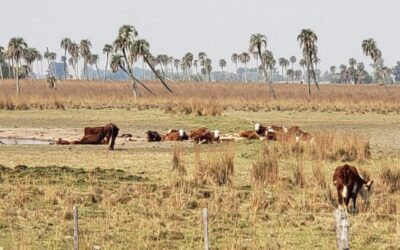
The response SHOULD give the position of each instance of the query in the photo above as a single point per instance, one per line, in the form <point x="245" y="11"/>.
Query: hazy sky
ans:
<point x="218" y="27"/>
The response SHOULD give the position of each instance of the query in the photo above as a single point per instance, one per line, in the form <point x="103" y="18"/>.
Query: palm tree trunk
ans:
<point x="65" y="65"/>
<point x="237" y="77"/>
<point x="308" y="80"/>
<point x="98" y="72"/>
<point x="1" y="72"/>
<point x="17" y="82"/>
<point x="105" y="68"/>
<point x="245" y="73"/>
<point x="142" y="69"/>
<point x="9" y="70"/>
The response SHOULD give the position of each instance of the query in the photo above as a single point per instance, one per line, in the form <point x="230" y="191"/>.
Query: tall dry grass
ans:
<point x="200" y="98"/>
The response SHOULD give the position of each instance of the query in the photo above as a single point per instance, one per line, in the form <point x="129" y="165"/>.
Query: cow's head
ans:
<point x="257" y="127"/>
<point x="216" y="134"/>
<point x="181" y="132"/>
<point x="366" y="190"/>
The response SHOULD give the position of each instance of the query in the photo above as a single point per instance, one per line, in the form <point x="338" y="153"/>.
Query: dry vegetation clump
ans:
<point x="218" y="166"/>
<point x="201" y="98"/>
<point x="177" y="161"/>
<point x="390" y="177"/>
<point x="264" y="170"/>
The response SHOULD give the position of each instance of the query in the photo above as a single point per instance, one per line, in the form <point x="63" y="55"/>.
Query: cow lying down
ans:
<point x="96" y="135"/>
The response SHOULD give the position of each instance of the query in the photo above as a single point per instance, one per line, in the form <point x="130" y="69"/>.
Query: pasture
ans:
<point x="149" y="195"/>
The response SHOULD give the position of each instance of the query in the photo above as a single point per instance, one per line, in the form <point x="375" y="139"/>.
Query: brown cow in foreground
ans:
<point x="100" y="135"/>
<point x="348" y="184"/>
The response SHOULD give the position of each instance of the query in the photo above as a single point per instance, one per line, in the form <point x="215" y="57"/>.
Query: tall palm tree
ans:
<point x="107" y="50"/>
<point x="352" y="64"/>
<point x="39" y="58"/>
<point x="292" y="60"/>
<point x="234" y="59"/>
<point x="283" y="62"/>
<point x="290" y="74"/>
<point x="308" y="39"/>
<point x="257" y="43"/>
<point x="244" y="58"/>
<point x="16" y="48"/>
<point x="65" y="44"/>
<point x="302" y="64"/>
<point x="127" y="50"/>
<point x="202" y="56"/>
<point x="196" y="64"/>
<point x="30" y="55"/>
<point x="1" y="62"/>
<point x="177" y="62"/>
<point x="84" y="49"/>
<point x="370" y="49"/>
<point x="222" y="64"/>
<point x="208" y="68"/>
<point x="188" y="61"/>
<point x="73" y="50"/>
<point x="297" y="74"/>
<point x="93" y="60"/>
<point x="333" y="72"/>
<point x="343" y="73"/>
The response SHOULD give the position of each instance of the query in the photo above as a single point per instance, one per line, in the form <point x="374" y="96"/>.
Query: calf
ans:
<point x="249" y="135"/>
<point x="153" y="136"/>
<point x="348" y="184"/>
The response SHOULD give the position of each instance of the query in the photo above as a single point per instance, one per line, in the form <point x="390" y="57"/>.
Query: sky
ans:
<point x="217" y="27"/>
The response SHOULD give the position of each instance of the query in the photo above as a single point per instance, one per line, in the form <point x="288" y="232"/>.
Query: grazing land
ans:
<point x="149" y="195"/>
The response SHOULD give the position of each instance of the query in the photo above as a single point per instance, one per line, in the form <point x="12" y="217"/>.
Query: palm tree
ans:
<point x="73" y="50"/>
<point x="84" y="49"/>
<point x="370" y="49"/>
<point x="222" y="64"/>
<point x="30" y="55"/>
<point x="93" y="60"/>
<point x="65" y="44"/>
<point x="39" y="58"/>
<point x="16" y="48"/>
<point x="234" y="59"/>
<point x="333" y="72"/>
<point x="129" y="50"/>
<point x="352" y="64"/>
<point x="177" y="62"/>
<point x="360" y="73"/>
<point x="292" y="60"/>
<point x="188" y="61"/>
<point x="297" y="74"/>
<point x="290" y="74"/>
<point x="196" y="64"/>
<point x="202" y="56"/>
<point x="343" y="73"/>
<point x="107" y="50"/>
<point x="208" y="68"/>
<point x="244" y="58"/>
<point x="283" y="62"/>
<point x="308" y="39"/>
<point x="257" y="43"/>
<point x="302" y="64"/>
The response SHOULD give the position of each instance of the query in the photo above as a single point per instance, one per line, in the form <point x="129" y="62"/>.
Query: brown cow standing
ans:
<point x="100" y="135"/>
<point x="348" y="184"/>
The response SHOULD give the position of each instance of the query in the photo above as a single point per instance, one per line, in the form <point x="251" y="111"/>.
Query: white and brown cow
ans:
<point x="251" y="135"/>
<point x="349" y="184"/>
<point x="175" y="135"/>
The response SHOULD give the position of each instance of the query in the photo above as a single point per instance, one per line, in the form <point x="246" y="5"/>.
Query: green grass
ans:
<point x="129" y="198"/>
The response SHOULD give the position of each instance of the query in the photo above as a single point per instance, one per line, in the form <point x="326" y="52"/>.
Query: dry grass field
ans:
<point x="150" y="195"/>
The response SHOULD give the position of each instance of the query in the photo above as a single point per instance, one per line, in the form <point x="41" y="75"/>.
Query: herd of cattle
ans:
<point x="349" y="183"/>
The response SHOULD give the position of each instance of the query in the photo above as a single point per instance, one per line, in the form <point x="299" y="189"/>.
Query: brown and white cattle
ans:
<point x="99" y="135"/>
<point x="175" y="135"/>
<point x="249" y="135"/>
<point x="260" y="129"/>
<point x="349" y="184"/>
<point x="207" y="137"/>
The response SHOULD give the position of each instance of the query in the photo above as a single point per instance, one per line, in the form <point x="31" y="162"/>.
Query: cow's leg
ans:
<point x="354" y="210"/>
<point x="340" y="197"/>
<point x="111" y="147"/>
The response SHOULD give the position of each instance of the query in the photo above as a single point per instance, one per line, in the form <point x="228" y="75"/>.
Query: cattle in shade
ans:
<point x="349" y="183"/>
<point x="99" y="135"/>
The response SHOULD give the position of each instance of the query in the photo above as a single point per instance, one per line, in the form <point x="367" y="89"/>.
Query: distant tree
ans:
<point x="352" y="64"/>
<point x="244" y="58"/>
<point x="370" y="49"/>
<point x="73" y="51"/>
<point x="202" y="56"/>
<point x="283" y="62"/>
<point x="308" y="39"/>
<point x="290" y="74"/>
<point x="93" y="60"/>
<point x="234" y="59"/>
<point x="84" y="50"/>
<point x="343" y="73"/>
<point x="297" y="74"/>
<point x="177" y="62"/>
<point x="222" y="64"/>
<point x="258" y="42"/>
<point x="65" y="44"/>
<point x="2" y="59"/>
<point x="188" y="61"/>
<point x="126" y="54"/>
<point x="302" y="64"/>
<point x="16" y="48"/>
<point x="107" y="49"/>
<point x="30" y="55"/>
<point x="292" y="60"/>
<point x="333" y="72"/>
<point x="396" y="72"/>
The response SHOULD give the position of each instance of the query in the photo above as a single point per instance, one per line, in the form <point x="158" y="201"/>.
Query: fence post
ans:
<point x="342" y="229"/>
<point x="205" y="222"/>
<point x="76" y="232"/>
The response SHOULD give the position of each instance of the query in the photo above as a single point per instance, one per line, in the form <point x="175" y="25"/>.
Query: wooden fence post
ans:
<point x="76" y="232"/>
<point x="205" y="222"/>
<point x="342" y="229"/>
